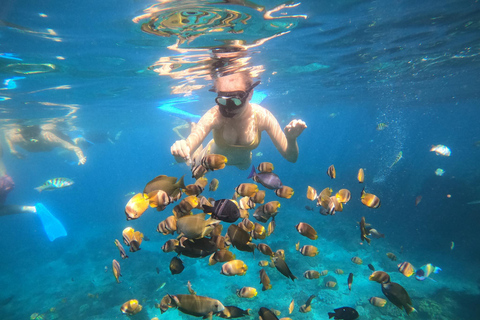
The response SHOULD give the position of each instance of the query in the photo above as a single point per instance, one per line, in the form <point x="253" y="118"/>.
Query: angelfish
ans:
<point x="425" y="271"/>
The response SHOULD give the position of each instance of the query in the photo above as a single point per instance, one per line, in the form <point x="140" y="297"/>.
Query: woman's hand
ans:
<point x="82" y="160"/>
<point x="180" y="150"/>
<point x="294" y="129"/>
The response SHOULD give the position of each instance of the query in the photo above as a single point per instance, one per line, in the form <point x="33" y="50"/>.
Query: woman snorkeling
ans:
<point x="237" y="125"/>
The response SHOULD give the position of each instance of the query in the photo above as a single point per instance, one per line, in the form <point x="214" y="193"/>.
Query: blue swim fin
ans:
<point x="52" y="226"/>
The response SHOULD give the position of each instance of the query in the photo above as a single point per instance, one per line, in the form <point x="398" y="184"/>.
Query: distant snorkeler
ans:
<point x="237" y="125"/>
<point x="36" y="138"/>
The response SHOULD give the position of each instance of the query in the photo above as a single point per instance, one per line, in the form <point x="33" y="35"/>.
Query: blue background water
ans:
<point x="411" y="65"/>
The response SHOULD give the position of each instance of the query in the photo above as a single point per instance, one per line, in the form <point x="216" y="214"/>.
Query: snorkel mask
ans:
<point x="230" y="102"/>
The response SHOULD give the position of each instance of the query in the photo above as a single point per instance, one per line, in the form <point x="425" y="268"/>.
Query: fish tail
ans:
<point x="437" y="270"/>
<point x="39" y="189"/>
<point x="253" y="173"/>
<point x="180" y="183"/>
<point x="331" y="315"/>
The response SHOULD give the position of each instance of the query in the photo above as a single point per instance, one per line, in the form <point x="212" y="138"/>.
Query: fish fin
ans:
<point x="437" y="270"/>
<point x="331" y="315"/>
<point x="207" y="209"/>
<point x="253" y="173"/>
<point x="180" y="183"/>
<point x="39" y="189"/>
<point x="432" y="279"/>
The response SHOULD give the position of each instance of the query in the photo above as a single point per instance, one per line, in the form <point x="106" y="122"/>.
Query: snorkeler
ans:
<point x="6" y="186"/>
<point x="37" y="139"/>
<point x="237" y="125"/>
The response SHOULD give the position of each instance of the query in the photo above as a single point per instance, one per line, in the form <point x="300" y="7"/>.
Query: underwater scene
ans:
<point x="194" y="159"/>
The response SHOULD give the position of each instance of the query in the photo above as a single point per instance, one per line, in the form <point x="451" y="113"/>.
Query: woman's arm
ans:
<point x="182" y="149"/>
<point x="285" y="142"/>
<point x="52" y="138"/>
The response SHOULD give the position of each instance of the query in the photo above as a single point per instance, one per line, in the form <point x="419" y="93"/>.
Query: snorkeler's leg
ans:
<point x="9" y="209"/>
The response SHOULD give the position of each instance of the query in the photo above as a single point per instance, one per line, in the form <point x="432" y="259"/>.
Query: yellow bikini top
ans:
<point x="220" y="141"/>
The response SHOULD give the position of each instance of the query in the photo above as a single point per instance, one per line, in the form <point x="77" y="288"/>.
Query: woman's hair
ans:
<point x="244" y="75"/>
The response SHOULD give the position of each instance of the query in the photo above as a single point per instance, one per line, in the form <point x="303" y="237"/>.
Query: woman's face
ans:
<point x="226" y="87"/>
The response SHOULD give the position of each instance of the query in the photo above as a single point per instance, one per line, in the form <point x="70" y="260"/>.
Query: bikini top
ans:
<point x="220" y="141"/>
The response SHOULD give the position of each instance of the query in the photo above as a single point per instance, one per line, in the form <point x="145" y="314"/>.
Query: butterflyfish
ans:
<point x="246" y="189"/>
<point x="213" y="185"/>
<point x="247" y="292"/>
<point x="331" y="172"/>
<point x="284" y="192"/>
<point x="370" y="200"/>
<point x="234" y="268"/>
<point x="361" y="175"/>
<point x="116" y="270"/>
<point x="131" y="307"/>
<point x="265" y="167"/>
<point x="214" y="162"/>
<point x="406" y="268"/>
<point x="265" y="280"/>
<point x="377" y="302"/>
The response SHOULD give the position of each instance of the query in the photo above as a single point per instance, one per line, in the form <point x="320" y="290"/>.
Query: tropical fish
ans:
<point x="307" y="250"/>
<point x="246" y="189"/>
<point x="213" y="185"/>
<point x="350" y="281"/>
<point x="311" y="193"/>
<point x="425" y="271"/>
<point x="398" y="296"/>
<point x="259" y="197"/>
<point x="377" y="302"/>
<point x="195" y="226"/>
<point x="439" y="172"/>
<point x="56" y="183"/>
<point x="266" y="211"/>
<point x="116" y="270"/>
<point x="357" y="260"/>
<point x="291" y="306"/>
<point x="452" y="245"/>
<point x="441" y="150"/>
<point x="282" y="266"/>
<point x="324" y="273"/>
<point x="344" y="313"/>
<point x="391" y="256"/>
<point x="265" y="249"/>
<point x="399" y="156"/>
<point x="176" y="265"/>
<point x="268" y="179"/>
<point x="159" y="199"/>
<point x="234" y="268"/>
<point x="170" y="185"/>
<point x="284" y="192"/>
<point x="131" y="193"/>
<point x="381" y="126"/>
<point x="307" y="307"/>
<point x="214" y="162"/>
<point x="311" y="274"/>
<point x="265" y="167"/>
<point x="363" y="231"/>
<point x="375" y="234"/>
<point x="131" y="307"/>
<point x="380" y="277"/>
<point x="343" y="195"/>
<point x="265" y="280"/>
<point x="247" y="292"/>
<point x="360" y="175"/>
<point x="266" y="314"/>
<point x="224" y="209"/>
<point x="406" y="268"/>
<point x="222" y="255"/>
<point x="306" y="230"/>
<point x="331" y="172"/>
<point x="196" y="305"/>
<point x="339" y="271"/>
<point x="371" y="267"/>
<point x="120" y="248"/>
<point x="330" y="284"/>
<point x="370" y="200"/>
<point x="232" y="312"/>
<point x="136" y="206"/>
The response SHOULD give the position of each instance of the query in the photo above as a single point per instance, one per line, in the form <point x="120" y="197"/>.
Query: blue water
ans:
<point x="346" y="68"/>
